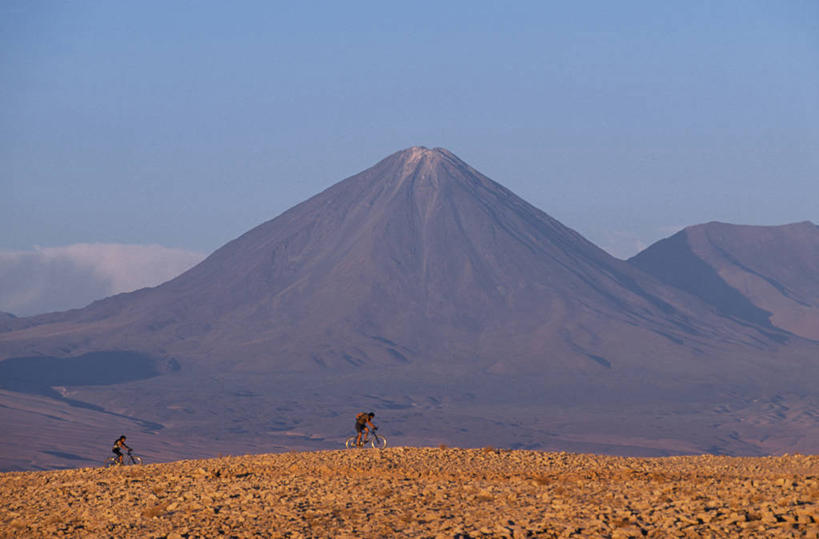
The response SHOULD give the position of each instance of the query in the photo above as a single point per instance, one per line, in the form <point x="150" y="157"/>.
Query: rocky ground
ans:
<point x="421" y="492"/>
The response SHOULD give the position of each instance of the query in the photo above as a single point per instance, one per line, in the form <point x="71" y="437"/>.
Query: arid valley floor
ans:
<point x="421" y="492"/>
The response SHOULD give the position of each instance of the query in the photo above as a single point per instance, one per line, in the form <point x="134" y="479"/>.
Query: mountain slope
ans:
<point x="418" y="257"/>
<point x="424" y="290"/>
<point x="762" y="274"/>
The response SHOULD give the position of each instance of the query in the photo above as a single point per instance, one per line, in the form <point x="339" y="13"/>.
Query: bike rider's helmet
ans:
<point x="371" y="414"/>
<point x="122" y="437"/>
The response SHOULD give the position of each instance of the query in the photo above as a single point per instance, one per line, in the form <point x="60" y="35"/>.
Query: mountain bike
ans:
<point x="368" y="438"/>
<point x="128" y="458"/>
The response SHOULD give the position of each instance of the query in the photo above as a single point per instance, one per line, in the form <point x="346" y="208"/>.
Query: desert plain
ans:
<point x="421" y="492"/>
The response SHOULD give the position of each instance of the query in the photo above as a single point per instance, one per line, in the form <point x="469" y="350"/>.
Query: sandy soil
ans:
<point x="421" y="492"/>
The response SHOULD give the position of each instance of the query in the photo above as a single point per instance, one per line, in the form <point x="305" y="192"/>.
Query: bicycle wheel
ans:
<point x="110" y="461"/>
<point x="135" y="459"/>
<point x="350" y="442"/>
<point x="378" y="442"/>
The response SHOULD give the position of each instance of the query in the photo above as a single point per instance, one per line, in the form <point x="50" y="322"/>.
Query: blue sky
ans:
<point x="184" y="124"/>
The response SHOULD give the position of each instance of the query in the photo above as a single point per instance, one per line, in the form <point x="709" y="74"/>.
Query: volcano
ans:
<point x="422" y="287"/>
<point x="420" y="258"/>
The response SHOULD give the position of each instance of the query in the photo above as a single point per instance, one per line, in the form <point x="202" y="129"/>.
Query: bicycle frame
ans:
<point x="127" y="459"/>
<point x="368" y="437"/>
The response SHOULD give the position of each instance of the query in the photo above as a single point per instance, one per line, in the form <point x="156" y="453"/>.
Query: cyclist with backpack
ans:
<point x="117" y="449"/>
<point x="361" y="421"/>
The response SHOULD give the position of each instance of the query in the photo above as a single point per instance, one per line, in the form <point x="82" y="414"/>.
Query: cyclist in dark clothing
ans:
<point x="361" y="421"/>
<point x="117" y="449"/>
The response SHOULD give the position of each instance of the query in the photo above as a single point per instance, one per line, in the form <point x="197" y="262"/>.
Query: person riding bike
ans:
<point x="361" y="421"/>
<point x="117" y="449"/>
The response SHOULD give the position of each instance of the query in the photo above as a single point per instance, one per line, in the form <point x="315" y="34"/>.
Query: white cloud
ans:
<point x="50" y="279"/>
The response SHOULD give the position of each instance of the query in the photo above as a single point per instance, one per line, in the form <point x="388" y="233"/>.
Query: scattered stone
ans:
<point x="421" y="492"/>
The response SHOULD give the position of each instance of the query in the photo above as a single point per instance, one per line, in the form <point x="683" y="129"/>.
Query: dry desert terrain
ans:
<point x="421" y="492"/>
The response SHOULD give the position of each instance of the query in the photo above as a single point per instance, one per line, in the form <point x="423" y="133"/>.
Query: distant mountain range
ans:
<point x="423" y="288"/>
<point x="760" y="274"/>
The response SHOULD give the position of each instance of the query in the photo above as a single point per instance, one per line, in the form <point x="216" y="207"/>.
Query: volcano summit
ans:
<point x="422" y="287"/>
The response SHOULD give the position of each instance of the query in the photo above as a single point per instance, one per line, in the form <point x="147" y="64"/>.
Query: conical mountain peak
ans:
<point x="422" y="161"/>
<point x="428" y="172"/>
<point x="417" y="153"/>
<point x="434" y="155"/>
<point x="420" y="250"/>
<point x="422" y="286"/>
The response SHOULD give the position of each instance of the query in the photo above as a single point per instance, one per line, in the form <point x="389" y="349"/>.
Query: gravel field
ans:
<point x="421" y="492"/>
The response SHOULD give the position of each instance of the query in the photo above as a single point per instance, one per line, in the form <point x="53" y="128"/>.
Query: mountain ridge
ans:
<point x="762" y="274"/>
<point x="497" y="253"/>
<point x="419" y="287"/>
